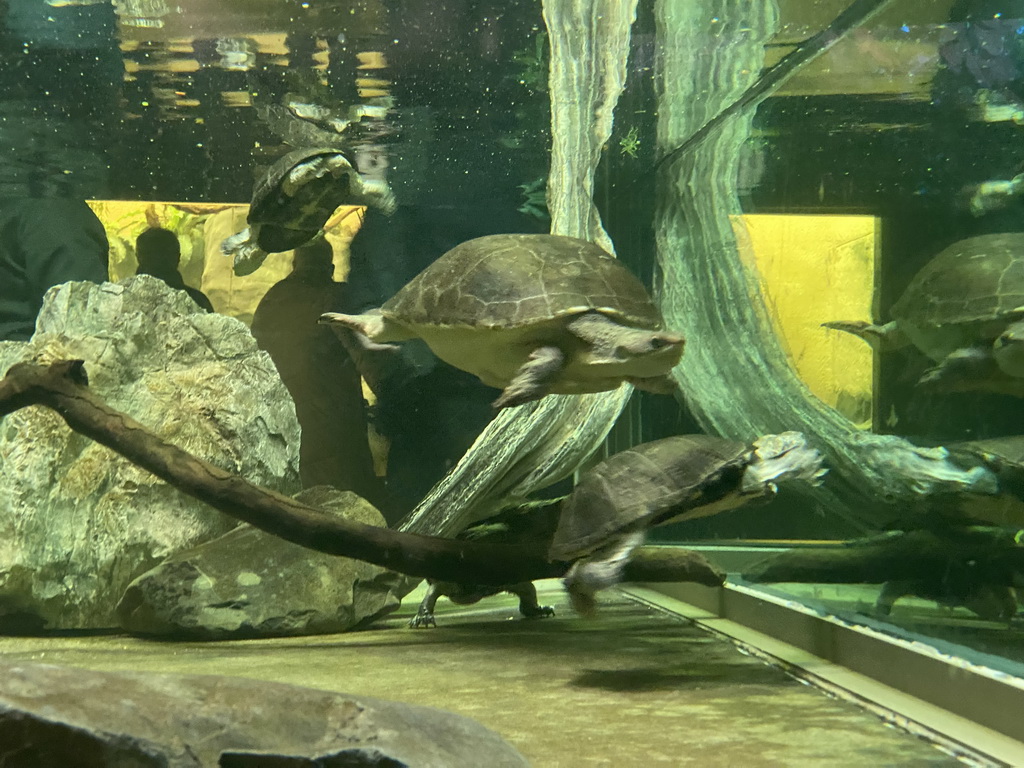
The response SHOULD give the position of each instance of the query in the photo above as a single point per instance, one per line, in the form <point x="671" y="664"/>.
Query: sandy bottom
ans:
<point x="634" y="687"/>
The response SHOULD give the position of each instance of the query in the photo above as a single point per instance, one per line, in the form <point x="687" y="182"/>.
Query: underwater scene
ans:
<point x="358" y="355"/>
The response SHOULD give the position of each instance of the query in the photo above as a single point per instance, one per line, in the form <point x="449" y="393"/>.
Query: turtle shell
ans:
<point x="509" y="281"/>
<point x="647" y="485"/>
<point x="289" y="221"/>
<point x="974" y="280"/>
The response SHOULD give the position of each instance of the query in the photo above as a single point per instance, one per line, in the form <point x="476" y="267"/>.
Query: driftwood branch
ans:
<point x="988" y="554"/>
<point x="772" y="79"/>
<point x="62" y="386"/>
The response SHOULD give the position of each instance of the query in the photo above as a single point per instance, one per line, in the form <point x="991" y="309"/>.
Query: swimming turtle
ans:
<point x="965" y="310"/>
<point x="293" y="200"/>
<point x="533" y="315"/>
<point x="676" y="478"/>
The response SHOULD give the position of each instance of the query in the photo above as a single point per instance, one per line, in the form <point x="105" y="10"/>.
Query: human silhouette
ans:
<point x="320" y="375"/>
<point x="44" y="242"/>
<point x="159" y="253"/>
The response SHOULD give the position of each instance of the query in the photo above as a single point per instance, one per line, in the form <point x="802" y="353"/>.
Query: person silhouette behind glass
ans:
<point x="320" y="375"/>
<point x="44" y="242"/>
<point x="159" y="253"/>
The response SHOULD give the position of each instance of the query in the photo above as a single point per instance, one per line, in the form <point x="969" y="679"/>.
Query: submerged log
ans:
<point x="982" y="554"/>
<point x="62" y="386"/>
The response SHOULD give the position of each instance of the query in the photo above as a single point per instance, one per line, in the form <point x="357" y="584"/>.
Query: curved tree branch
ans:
<point x="62" y="386"/>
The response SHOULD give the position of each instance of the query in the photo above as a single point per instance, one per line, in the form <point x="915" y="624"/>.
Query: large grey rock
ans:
<point x="248" y="583"/>
<point x="77" y="521"/>
<point x="57" y="716"/>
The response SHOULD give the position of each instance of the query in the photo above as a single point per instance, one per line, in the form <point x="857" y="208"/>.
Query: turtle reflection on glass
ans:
<point x="532" y="315"/>
<point x="665" y="481"/>
<point x="964" y="310"/>
<point x="293" y="200"/>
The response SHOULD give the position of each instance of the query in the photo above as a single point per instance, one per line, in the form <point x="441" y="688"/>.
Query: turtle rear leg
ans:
<point x="533" y="378"/>
<point x="528" y="605"/>
<point x="425" y="613"/>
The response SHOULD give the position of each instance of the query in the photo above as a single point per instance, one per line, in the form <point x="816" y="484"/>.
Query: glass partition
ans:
<point x="825" y="198"/>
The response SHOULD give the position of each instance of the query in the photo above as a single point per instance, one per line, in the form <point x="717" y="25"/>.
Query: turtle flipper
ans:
<point x="964" y="370"/>
<point x="599" y="570"/>
<point x="528" y="605"/>
<point x="425" y="613"/>
<point x="242" y="248"/>
<point x="533" y="378"/>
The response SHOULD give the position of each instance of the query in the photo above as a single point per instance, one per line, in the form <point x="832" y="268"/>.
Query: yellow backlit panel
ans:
<point x="814" y="269"/>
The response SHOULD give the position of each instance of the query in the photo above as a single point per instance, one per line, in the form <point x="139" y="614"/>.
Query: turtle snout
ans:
<point x="1008" y="351"/>
<point x="666" y="340"/>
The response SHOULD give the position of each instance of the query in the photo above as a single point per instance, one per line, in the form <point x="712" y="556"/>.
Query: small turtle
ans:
<point x="532" y="315"/>
<point x="293" y="200"/>
<point x="965" y="311"/>
<point x="677" y="478"/>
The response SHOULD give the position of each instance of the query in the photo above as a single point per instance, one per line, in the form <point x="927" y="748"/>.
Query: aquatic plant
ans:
<point x="630" y="143"/>
<point x="535" y="201"/>
<point x="534" y="64"/>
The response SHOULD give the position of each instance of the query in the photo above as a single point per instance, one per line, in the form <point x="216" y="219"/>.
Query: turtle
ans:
<point x="294" y="198"/>
<point x="964" y="310"/>
<point x="532" y="315"/>
<point x="676" y="478"/>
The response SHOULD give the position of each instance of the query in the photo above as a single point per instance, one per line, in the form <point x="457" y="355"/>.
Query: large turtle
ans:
<point x="293" y="200"/>
<point x="677" y="478"/>
<point x="531" y="314"/>
<point x="965" y="311"/>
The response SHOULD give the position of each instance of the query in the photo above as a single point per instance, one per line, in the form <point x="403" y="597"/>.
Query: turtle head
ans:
<point x="640" y="352"/>
<point x="643" y="354"/>
<point x="1008" y="349"/>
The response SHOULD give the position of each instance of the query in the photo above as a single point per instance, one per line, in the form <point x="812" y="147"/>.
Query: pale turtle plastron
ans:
<point x="531" y="315"/>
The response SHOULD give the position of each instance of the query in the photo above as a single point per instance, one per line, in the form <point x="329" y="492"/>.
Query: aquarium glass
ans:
<point x="765" y="169"/>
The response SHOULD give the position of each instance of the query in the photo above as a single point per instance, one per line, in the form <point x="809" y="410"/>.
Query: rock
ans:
<point x="52" y="716"/>
<point x="77" y="521"/>
<point x="248" y="583"/>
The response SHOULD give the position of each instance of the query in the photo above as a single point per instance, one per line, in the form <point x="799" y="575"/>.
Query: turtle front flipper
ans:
<point x="971" y="369"/>
<point x="882" y="337"/>
<point x="961" y="370"/>
<point x="599" y="570"/>
<point x="246" y="254"/>
<point x="533" y="378"/>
